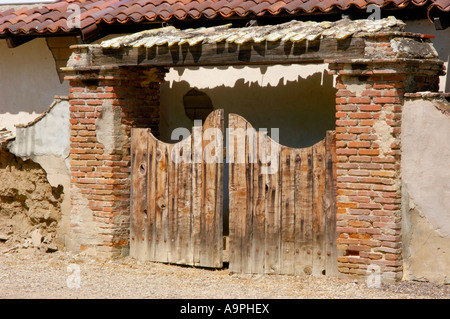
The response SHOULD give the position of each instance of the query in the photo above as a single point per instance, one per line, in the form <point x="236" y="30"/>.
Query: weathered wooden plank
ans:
<point x="247" y="200"/>
<point x="172" y="208"/>
<point x="211" y="248"/>
<point x="161" y="202"/>
<point x="319" y="253"/>
<point x="287" y="262"/>
<point x="230" y="53"/>
<point x="138" y="210"/>
<point x="303" y="211"/>
<point x="184" y="204"/>
<point x="238" y="193"/>
<point x="151" y="196"/>
<point x="259" y="199"/>
<point x="330" y="204"/>
<point x="218" y="230"/>
<point x="273" y="231"/>
<point x="197" y="179"/>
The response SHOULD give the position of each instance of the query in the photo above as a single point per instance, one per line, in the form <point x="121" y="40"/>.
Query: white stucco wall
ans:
<point x="425" y="191"/>
<point x="29" y="82"/>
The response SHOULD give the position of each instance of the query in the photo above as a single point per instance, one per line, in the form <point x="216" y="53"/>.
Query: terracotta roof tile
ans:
<point x="52" y="18"/>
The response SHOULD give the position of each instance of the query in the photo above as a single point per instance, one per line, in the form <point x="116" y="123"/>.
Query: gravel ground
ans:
<point x="54" y="275"/>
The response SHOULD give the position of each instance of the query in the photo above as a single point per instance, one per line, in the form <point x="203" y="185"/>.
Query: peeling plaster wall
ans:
<point x="29" y="82"/>
<point x="46" y="141"/>
<point x="426" y="191"/>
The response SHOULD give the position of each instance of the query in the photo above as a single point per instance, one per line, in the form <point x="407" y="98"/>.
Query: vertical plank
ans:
<point x="287" y="263"/>
<point x="172" y="207"/>
<point x="211" y="247"/>
<point x="151" y="197"/>
<point x="237" y="191"/>
<point x="330" y="204"/>
<point x="184" y="204"/>
<point x="303" y="210"/>
<point x="139" y="193"/>
<point x="259" y="233"/>
<point x="319" y="253"/>
<point x="247" y="203"/>
<point x="161" y="203"/>
<point x="197" y="180"/>
<point x="273" y="234"/>
<point x="218" y="222"/>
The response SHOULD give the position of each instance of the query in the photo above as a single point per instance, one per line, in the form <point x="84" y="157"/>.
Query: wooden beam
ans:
<point x="219" y="54"/>
<point x="15" y="41"/>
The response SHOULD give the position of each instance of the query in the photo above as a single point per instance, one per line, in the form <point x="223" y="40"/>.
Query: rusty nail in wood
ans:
<point x="296" y="251"/>
<point x="319" y="253"/>
<point x="328" y="254"/>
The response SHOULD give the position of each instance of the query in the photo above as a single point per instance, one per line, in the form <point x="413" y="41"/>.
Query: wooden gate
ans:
<point x="176" y="196"/>
<point x="282" y="204"/>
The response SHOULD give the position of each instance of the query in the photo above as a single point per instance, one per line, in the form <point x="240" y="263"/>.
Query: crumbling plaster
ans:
<point x="46" y="141"/>
<point x="426" y="191"/>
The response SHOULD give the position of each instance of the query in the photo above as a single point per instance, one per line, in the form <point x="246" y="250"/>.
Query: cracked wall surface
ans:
<point x="46" y="141"/>
<point x="426" y="190"/>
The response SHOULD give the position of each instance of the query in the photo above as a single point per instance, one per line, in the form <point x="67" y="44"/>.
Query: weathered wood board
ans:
<point x="223" y="53"/>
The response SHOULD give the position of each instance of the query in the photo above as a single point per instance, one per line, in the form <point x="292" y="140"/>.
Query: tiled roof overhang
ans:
<point x="53" y="18"/>
<point x="287" y="43"/>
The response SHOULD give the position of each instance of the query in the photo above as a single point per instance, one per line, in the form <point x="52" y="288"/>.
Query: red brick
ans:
<point x="363" y="115"/>
<point x="359" y="100"/>
<point x="370" y="108"/>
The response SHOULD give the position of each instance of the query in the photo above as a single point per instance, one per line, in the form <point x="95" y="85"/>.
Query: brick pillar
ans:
<point x="369" y="103"/>
<point x="104" y="105"/>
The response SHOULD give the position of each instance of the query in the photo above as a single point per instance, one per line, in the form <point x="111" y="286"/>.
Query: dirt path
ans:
<point x="64" y="275"/>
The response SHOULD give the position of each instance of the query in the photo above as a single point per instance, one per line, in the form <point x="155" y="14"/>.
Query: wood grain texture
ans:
<point x="223" y="53"/>
<point x="281" y="222"/>
<point x="182" y="198"/>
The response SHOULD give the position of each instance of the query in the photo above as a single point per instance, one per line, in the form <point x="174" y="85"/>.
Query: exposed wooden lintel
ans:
<point x="219" y="54"/>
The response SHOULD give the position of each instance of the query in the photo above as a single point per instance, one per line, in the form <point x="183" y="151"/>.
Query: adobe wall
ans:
<point x="46" y="142"/>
